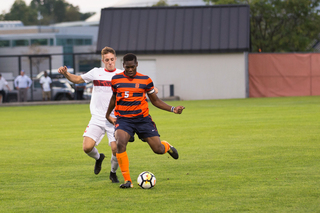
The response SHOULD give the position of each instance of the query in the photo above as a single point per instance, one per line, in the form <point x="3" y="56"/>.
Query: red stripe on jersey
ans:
<point x="102" y="83"/>
<point x="110" y="70"/>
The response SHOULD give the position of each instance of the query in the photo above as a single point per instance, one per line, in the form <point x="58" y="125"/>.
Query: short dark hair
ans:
<point x="129" y="57"/>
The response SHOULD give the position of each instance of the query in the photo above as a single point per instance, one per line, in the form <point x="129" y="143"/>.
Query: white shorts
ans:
<point x="96" y="131"/>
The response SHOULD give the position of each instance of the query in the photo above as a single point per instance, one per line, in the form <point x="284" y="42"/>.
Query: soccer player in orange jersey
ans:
<point x="132" y="112"/>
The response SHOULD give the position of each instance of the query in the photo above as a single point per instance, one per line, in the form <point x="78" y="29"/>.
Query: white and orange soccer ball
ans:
<point x="146" y="180"/>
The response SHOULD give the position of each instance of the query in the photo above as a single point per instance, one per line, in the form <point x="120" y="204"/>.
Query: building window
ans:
<point x="4" y="43"/>
<point x="40" y="41"/>
<point x="61" y="42"/>
<point x="75" y="42"/>
<point x="51" y="42"/>
<point x="69" y="41"/>
<point x="78" y="42"/>
<point x="21" y="42"/>
<point x="87" y="41"/>
<point x="68" y="59"/>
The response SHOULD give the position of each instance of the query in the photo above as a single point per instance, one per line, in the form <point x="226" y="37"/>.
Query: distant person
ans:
<point x="22" y="83"/>
<point x="45" y="82"/>
<point x="3" y="83"/>
<point x="79" y="89"/>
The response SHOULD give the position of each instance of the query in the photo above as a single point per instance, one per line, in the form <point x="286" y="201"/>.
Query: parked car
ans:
<point x="54" y="74"/>
<point x="88" y="91"/>
<point x="11" y="96"/>
<point x="61" y="90"/>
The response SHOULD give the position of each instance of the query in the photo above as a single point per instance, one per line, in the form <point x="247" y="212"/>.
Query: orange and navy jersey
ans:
<point x="130" y="94"/>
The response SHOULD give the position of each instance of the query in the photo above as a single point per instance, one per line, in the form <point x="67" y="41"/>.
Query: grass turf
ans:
<point x="237" y="155"/>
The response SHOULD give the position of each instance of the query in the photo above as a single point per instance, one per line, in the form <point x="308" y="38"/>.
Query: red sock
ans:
<point x="123" y="161"/>
<point x="166" y="146"/>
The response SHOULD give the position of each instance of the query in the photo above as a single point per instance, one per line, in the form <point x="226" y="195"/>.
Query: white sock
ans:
<point x="114" y="163"/>
<point x="94" y="153"/>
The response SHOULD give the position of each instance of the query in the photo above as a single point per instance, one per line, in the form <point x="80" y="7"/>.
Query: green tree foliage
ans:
<point x="84" y="16"/>
<point x="52" y="11"/>
<point x="55" y="11"/>
<point x="20" y="11"/>
<point x="281" y="25"/>
<point x="162" y="3"/>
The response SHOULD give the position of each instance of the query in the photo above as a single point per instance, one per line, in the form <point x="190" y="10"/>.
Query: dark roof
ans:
<point x="202" y="29"/>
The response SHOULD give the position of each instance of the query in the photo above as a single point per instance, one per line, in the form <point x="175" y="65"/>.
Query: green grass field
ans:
<point x="239" y="155"/>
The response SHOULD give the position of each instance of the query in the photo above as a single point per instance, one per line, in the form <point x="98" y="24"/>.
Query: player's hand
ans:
<point x="63" y="70"/>
<point x="178" y="109"/>
<point x="111" y="119"/>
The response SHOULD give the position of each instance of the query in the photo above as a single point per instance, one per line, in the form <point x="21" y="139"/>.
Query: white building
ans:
<point x="18" y="43"/>
<point x="197" y="52"/>
<point x="200" y="51"/>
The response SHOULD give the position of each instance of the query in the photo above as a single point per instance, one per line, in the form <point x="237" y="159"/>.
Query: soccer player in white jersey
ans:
<point x="101" y="94"/>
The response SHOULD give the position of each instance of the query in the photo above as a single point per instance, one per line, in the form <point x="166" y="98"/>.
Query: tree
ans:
<point x="162" y="3"/>
<point x="84" y="16"/>
<point x="281" y="25"/>
<point x="73" y="13"/>
<point x="20" y="11"/>
<point x="55" y="11"/>
<point x="52" y="11"/>
<point x="59" y="11"/>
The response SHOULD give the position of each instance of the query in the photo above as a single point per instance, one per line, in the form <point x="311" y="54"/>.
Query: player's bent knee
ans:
<point x="159" y="150"/>
<point x="121" y="147"/>
<point x="87" y="149"/>
<point x="88" y="144"/>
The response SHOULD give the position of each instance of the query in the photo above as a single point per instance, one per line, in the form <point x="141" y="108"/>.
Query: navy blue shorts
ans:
<point x="143" y="126"/>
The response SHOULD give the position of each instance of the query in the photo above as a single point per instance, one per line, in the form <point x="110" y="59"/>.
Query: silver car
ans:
<point x="61" y="90"/>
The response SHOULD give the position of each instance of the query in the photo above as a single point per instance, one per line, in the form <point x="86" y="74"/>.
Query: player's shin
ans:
<point x="123" y="162"/>
<point x="114" y="163"/>
<point x="166" y="146"/>
<point x="94" y="153"/>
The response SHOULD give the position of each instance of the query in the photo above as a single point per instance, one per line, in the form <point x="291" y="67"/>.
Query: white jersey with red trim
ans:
<point x="101" y="92"/>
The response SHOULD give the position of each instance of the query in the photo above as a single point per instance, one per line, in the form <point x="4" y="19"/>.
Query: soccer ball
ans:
<point x="146" y="180"/>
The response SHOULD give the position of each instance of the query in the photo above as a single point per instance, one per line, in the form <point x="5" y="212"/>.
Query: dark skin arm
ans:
<point x="157" y="102"/>
<point x="112" y="104"/>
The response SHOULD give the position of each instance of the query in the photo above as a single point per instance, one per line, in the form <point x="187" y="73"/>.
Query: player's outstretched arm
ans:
<point x="76" y="79"/>
<point x="157" y="102"/>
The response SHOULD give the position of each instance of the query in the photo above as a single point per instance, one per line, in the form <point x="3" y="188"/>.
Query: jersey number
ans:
<point x="126" y="94"/>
